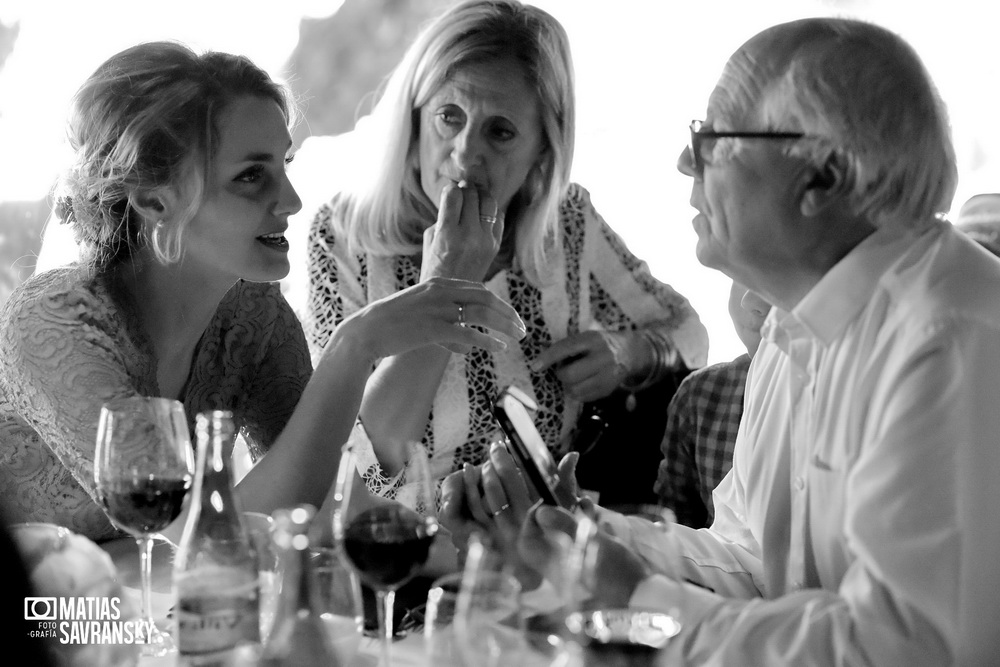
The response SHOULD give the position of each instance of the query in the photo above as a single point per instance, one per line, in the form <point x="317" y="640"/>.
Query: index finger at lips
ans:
<point x="470" y="203"/>
<point x="450" y="207"/>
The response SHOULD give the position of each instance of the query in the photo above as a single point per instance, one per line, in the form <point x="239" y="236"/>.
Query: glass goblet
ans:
<point x="143" y="467"/>
<point x="385" y="541"/>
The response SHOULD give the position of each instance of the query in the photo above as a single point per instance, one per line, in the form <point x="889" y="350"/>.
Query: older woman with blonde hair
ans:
<point x="469" y="177"/>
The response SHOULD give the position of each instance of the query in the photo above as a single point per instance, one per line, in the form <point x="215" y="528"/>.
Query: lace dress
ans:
<point x="600" y="285"/>
<point x="66" y="346"/>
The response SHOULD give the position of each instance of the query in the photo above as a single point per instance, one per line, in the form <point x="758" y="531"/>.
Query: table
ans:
<point x="406" y="652"/>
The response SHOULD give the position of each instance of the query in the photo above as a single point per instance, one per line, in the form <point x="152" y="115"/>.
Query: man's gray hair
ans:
<point x="861" y="91"/>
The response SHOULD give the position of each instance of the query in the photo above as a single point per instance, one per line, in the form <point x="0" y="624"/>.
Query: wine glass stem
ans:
<point x="145" y="568"/>
<point x="385" y="602"/>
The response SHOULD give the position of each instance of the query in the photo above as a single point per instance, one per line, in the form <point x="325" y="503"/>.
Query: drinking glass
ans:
<point x="259" y="527"/>
<point x="341" y="605"/>
<point x="142" y="471"/>
<point x="489" y="622"/>
<point x="385" y="541"/>
<point x="614" y="635"/>
<point x="439" y="621"/>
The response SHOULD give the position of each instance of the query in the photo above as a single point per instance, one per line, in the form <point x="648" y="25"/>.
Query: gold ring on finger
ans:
<point x="503" y="508"/>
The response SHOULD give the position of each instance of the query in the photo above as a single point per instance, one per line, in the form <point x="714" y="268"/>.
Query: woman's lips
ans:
<point x="274" y="240"/>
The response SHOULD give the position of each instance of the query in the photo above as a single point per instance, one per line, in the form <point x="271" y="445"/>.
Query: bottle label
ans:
<point x="216" y="610"/>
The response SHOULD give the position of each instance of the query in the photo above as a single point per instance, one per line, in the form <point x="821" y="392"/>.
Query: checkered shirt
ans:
<point x="702" y="420"/>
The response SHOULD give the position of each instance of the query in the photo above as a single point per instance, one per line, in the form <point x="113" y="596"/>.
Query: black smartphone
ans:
<point x="513" y="411"/>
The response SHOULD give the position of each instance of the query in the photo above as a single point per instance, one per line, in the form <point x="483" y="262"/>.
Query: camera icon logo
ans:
<point x="40" y="609"/>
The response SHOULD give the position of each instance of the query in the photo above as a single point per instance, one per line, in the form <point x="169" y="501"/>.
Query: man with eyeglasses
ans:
<point x="860" y="522"/>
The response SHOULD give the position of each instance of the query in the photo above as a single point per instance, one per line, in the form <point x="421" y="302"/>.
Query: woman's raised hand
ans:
<point x="459" y="315"/>
<point x="466" y="237"/>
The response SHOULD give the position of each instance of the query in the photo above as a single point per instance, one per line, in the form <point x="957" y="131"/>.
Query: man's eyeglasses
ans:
<point x="702" y="142"/>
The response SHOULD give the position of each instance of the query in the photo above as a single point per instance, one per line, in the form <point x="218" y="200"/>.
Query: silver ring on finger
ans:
<point x="461" y="314"/>
<point x="488" y="219"/>
<point x="503" y="508"/>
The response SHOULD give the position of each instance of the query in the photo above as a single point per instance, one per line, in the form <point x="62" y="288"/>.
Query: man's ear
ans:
<point x="825" y="184"/>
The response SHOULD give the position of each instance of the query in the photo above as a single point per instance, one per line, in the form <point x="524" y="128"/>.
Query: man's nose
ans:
<point x="685" y="164"/>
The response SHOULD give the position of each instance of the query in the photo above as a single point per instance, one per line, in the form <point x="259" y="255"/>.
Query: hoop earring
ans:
<point x="155" y="240"/>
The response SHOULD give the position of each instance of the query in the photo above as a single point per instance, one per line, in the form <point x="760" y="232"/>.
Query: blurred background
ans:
<point x="644" y="69"/>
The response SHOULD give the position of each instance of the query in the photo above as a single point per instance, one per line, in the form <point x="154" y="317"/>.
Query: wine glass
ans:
<point x="489" y="621"/>
<point x="385" y="541"/>
<point x="142" y="471"/>
<point x="341" y="606"/>
<point x="615" y="634"/>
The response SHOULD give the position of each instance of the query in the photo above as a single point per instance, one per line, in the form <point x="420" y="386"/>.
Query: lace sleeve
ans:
<point x="336" y="282"/>
<point x="282" y="372"/>
<point x="624" y="293"/>
<point x="62" y="356"/>
<point x="392" y="487"/>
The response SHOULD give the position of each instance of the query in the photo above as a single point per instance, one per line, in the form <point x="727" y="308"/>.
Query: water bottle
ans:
<point x="215" y="571"/>
<point x="299" y="637"/>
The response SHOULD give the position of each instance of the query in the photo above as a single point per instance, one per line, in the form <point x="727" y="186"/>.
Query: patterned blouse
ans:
<point x="67" y="345"/>
<point x="600" y="285"/>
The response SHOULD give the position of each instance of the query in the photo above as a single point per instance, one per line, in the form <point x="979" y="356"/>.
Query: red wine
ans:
<point x="145" y="506"/>
<point x="388" y="544"/>
<point x="619" y="653"/>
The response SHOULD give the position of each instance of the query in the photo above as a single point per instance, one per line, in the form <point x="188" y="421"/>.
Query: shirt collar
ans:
<point x="847" y="288"/>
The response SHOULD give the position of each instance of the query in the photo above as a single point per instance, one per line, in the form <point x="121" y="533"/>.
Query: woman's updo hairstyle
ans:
<point x="147" y="118"/>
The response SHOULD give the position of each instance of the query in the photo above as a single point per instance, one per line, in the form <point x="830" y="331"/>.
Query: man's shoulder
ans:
<point x="948" y="277"/>
<point x="726" y="372"/>
<point x="717" y="382"/>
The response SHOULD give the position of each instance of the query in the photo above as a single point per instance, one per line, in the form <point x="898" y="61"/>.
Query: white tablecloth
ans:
<point x="406" y="652"/>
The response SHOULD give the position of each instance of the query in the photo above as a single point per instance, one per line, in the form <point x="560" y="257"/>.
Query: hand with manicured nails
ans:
<point x="466" y="237"/>
<point x="428" y="314"/>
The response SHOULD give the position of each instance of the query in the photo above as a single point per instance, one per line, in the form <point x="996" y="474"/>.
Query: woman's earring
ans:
<point x="155" y="239"/>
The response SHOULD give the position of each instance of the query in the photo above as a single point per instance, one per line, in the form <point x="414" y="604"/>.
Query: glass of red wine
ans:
<point x="386" y="541"/>
<point x="142" y="470"/>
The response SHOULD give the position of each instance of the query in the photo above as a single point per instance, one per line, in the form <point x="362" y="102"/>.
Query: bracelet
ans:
<point x="664" y="359"/>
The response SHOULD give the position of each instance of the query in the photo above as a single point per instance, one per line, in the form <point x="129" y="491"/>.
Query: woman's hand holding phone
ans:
<point x="496" y="498"/>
